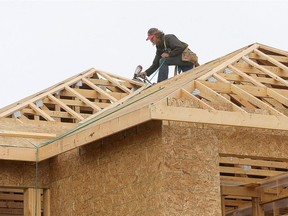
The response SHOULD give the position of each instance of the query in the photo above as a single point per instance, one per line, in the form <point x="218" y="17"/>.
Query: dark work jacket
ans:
<point x="174" y="46"/>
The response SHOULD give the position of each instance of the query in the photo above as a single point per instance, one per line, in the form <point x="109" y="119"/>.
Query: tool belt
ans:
<point x="188" y="55"/>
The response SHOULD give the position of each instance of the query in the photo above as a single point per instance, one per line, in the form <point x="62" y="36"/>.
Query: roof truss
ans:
<point x="74" y="99"/>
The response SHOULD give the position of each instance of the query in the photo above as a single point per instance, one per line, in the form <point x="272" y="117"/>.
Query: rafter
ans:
<point x="215" y="97"/>
<point x="116" y="83"/>
<point x="269" y="73"/>
<point x="229" y="61"/>
<point x="99" y="90"/>
<point x="41" y="112"/>
<point x="245" y="76"/>
<point x="65" y="107"/>
<point x="201" y="104"/>
<point x="273" y="61"/>
<point x="82" y="98"/>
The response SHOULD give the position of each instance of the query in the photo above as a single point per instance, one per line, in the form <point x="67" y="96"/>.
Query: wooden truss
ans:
<point x="246" y="88"/>
<point x="74" y="99"/>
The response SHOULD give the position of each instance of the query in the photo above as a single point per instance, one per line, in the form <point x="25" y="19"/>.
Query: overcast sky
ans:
<point x="45" y="42"/>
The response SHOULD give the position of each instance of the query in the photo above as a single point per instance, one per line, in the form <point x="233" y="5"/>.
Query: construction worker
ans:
<point x="168" y="52"/>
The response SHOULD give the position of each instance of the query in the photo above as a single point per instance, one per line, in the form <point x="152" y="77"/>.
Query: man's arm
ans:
<point x="154" y="65"/>
<point x="176" y="46"/>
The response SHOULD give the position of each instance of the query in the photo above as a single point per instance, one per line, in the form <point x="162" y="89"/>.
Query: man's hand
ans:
<point x="165" y="55"/>
<point x="143" y="75"/>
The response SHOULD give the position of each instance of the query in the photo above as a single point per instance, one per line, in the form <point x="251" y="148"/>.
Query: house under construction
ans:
<point x="210" y="141"/>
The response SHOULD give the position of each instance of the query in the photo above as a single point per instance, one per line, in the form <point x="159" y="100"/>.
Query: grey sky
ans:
<point x="45" y="42"/>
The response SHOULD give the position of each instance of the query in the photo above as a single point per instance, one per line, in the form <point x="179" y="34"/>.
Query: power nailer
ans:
<point x="137" y="76"/>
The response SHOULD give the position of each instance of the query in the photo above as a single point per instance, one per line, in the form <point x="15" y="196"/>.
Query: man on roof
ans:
<point x="169" y="51"/>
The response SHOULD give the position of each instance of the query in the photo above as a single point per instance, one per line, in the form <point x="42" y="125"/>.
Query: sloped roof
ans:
<point x="74" y="99"/>
<point x="247" y="87"/>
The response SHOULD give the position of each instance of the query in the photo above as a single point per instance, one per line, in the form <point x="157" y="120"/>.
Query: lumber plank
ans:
<point x="99" y="90"/>
<point x="45" y="93"/>
<point x="94" y="132"/>
<point x="269" y="73"/>
<point x="82" y="98"/>
<point x="273" y="61"/>
<point x="41" y="112"/>
<point x="239" y="191"/>
<point x="17" y="153"/>
<point x="116" y="83"/>
<point x="65" y="107"/>
<point x="216" y="97"/>
<point x="160" y="112"/>
<point x="27" y="134"/>
<point x="229" y="61"/>
<point x="196" y="100"/>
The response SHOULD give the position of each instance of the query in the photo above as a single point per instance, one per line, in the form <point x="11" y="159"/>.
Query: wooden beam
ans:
<point x="41" y="112"/>
<point x="278" y="51"/>
<point x="253" y="162"/>
<point x="238" y="181"/>
<point x="215" y="97"/>
<point x="201" y="104"/>
<point x="17" y="153"/>
<point x="45" y="93"/>
<point x="235" y="89"/>
<point x="257" y="210"/>
<point x="65" y="107"/>
<point x="32" y="202"/>
<point x="113" y="81"/>
<point x="46" y="202"/>
<point x="251" y="171"/>
<point x="273" y="61"/>
<point x="99" y="90"/>
<point x="229" y="62"/>
<point x="245" y="76"/>
<point x="94" y="132"/>
<point x="160" y="112"/>
<point x="25" y="134"/>
<point x="11" y="204"/>
<point x="268" y="198"/>
<point x="239" y="191"/>
<point x="269" y="73"/>
<point x="11" y="196"/>
<point x="82" y="98"/>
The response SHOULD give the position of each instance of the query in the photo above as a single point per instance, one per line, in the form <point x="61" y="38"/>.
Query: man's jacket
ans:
<point x="174" y="47"/>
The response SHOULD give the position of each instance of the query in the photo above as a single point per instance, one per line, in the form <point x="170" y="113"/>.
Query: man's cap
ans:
<point x="150" y="33"/>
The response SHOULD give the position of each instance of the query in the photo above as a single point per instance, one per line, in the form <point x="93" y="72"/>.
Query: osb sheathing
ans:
<point x="16" y="174"/>
<point x="243" y="141"/>
<point x="192" y="172"/>
<point x="253" y="142"/>
<point x="150" y="169"/>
